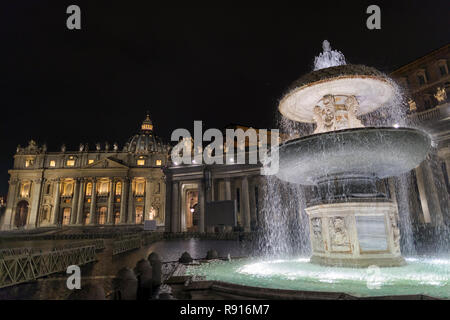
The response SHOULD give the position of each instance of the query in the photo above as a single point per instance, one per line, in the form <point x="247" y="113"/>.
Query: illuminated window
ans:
<point x="141" y="162"/>
<point x="140" y="186"/>
<point x="52" y="163"/>
<point x="103" y="188"/>
<point x="158" y="162"/>
<point x="118" y="188"/>
<point x="147" y="126"/>
<point x="89" y="189"/>
<point x="68" y="189"/>
<point x="25" y="189"/>
<point x="90" y="161"/>
<point x="139" y="215"/>
<point x="70" y="163"/>
<point x="28" y="163"/>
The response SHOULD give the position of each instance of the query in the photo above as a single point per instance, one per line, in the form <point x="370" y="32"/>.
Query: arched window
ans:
<point x="102" y="215"/>
<point x="66" y="216"/>
<point x="68" y="189"/>
<point x="89" y="189"/>
<point x="118" y="188"/>
<point x="103" y="188"/>
<point x="20" y="219"/>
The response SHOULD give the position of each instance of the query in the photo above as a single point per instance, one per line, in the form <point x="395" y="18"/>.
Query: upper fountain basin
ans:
<point x="364" y="152"/>
<point x="372" y="89"/>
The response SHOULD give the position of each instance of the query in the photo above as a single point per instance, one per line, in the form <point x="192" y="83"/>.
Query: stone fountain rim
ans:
<point x="343" y="71"/>
<point x="344" y="131"/>
<point x="337" y="73"/>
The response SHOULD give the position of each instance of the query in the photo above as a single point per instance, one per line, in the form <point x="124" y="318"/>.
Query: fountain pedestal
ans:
<point x="355" y="234"/>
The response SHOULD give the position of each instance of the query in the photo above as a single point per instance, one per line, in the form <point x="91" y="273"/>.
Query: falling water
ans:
<point x="284" y="224"/>
<point x="284" y="229"/>
<point x="328" y="58"/>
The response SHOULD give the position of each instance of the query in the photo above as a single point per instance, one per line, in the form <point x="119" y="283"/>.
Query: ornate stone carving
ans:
<point x="412" y="105"/>
<point x="317" y="238"/>
<point x="441" y="94"/>
<point x="106" y="146"/>
<point x="115" y="147"/>
<point x="332" y="114"/>
<point x="63" y="148"/>
<point x="338" y="234"/>
<point x="352" y="107"/>
<point x="81" y="148"/>
<point x="97" y="146"/>
<point x="32" y="148"/>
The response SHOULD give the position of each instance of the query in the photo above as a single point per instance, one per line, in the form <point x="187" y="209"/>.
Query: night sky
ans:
<point x="221" y="64"/>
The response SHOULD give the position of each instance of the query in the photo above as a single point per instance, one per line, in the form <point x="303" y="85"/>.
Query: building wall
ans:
<point x="54" y="184"/>
<point x="430" y="111"/>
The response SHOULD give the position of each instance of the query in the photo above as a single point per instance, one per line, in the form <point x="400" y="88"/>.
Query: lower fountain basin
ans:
<point x="421" y="276"/>
<point x="362" y="152"/>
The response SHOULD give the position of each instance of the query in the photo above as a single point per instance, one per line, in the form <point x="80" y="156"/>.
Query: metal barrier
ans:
<point x="15" y="269"/>
<point x="99" y="244"/>
<point x="126" y="244"/>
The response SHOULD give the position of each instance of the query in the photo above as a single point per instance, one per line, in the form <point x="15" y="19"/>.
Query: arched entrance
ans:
<point x="20" y="219"/>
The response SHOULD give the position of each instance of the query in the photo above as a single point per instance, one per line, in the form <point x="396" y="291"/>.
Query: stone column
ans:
<point x="148" y="197"/>
<point x="76" y="194"/>
<point x="112" y="191"/>
<point x="56" y="202"/>
<point x="80" y="207"/>
<point x="227" y="189"/>
<point x="131" y="211"/>
<point x="434" y="194"/>
<point x="93" y="209"/>
<point x="168" y="204"/>
<point x="422" y="195"/>
<point x="11" y="199"/>
<point x="175" y="208"/>
<point x="201" y="201"/>
<point x="245" y="205"/>
<point x="35" y="200"/>
<point x="123" y="201"/>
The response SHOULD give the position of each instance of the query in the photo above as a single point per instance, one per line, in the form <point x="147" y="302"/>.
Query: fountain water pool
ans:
<point x="426" y="276"/>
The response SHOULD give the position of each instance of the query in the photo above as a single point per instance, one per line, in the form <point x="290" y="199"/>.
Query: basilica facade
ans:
<point x="103" y="186"/>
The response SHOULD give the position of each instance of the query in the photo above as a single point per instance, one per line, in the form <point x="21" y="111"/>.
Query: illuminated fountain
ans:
<point x="352" y="221"/>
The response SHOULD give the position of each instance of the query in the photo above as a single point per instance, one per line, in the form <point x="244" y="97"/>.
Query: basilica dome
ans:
<point x="145" y="141"/>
